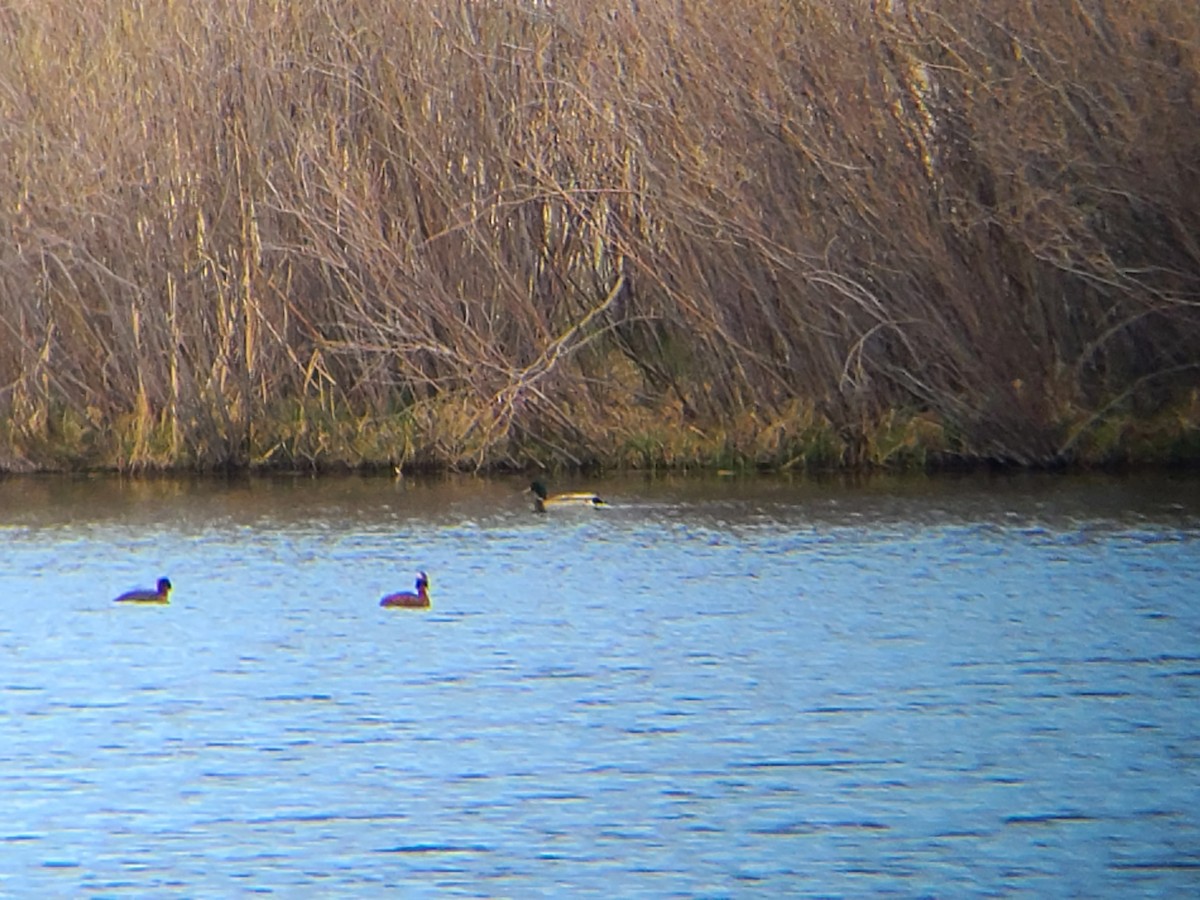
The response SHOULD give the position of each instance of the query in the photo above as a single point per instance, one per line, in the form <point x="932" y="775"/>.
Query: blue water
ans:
<point x="714" y="688"/>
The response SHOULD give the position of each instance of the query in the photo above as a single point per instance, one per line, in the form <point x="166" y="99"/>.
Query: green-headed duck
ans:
<point x="542" y="500"/>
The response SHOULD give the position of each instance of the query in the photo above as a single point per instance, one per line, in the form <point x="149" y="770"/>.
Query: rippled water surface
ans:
<point x="740" y="687"/>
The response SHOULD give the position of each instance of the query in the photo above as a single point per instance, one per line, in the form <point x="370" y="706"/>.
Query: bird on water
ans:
<point x="542" y="500"/>
<point x="161" y="594"/>
<point x="417" y="600"/>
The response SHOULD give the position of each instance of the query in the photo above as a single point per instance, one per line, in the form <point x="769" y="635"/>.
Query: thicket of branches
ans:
<point x="466" y="232"/>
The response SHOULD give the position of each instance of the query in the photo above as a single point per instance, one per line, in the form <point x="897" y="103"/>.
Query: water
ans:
<point x="715" y="688"/>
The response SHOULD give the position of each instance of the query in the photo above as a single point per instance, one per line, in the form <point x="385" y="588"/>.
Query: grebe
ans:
<point x="407" y="598"/>
<point x="160" y="594"/>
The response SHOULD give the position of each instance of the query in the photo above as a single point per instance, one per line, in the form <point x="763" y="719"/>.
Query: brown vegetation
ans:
<point x="654" y="233"/>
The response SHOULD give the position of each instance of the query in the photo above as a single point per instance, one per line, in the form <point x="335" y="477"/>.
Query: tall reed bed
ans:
<point x="657" y="233"/>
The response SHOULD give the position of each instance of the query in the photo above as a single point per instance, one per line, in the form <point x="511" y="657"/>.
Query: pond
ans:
<point x="748" y="686"/>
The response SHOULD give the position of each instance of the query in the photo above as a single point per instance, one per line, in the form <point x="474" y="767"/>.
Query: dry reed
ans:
<point x="515" y="233"/>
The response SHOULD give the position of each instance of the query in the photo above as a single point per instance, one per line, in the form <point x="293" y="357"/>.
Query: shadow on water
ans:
<point x="727" y="686"/>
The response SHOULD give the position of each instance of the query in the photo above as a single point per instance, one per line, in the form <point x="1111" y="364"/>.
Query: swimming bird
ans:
<point x="407" y="598"/>
<point x="542" y="500"/>
<point x="161" y="594"/>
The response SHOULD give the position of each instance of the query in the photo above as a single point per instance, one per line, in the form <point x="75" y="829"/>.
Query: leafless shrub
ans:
<point x="229" y="228"/>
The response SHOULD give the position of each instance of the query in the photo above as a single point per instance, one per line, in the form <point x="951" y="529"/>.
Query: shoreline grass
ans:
<point x="447" y="438"/>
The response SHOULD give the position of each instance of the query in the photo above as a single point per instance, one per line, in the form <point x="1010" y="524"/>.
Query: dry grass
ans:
<point x="470" y="233"/>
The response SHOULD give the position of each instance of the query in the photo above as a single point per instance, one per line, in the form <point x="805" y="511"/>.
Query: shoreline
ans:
<point x="898" y="444"/>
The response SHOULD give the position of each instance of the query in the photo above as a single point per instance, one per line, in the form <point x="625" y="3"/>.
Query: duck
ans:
<point x="542" y="500"/>
<point x="406" y="598"/>
<point x="161" y="594"/>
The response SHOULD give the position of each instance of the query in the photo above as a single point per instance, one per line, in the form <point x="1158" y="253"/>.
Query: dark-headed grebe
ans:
<point x="160" y="595"/>
<point x="407" y="598"/>
<point x="542" y="500"/>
